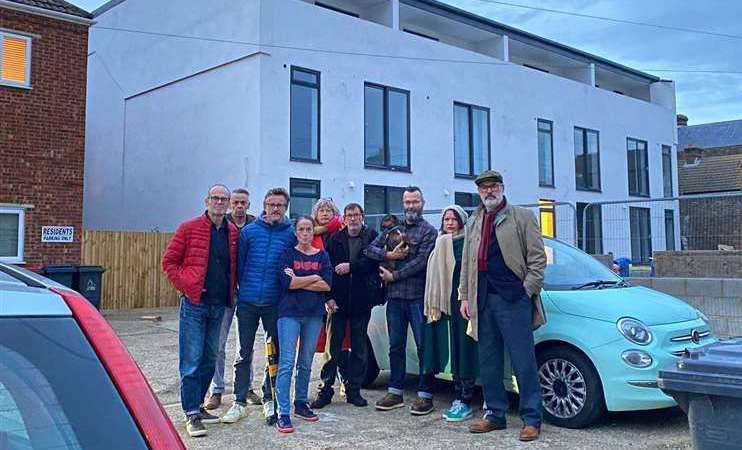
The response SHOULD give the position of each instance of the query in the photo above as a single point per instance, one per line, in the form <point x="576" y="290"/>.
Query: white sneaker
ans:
<point x="268" y="409"/>
<point x="235" y="413"/>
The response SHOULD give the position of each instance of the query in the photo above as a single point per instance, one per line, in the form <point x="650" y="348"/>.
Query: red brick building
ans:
<point x="43" y="67"/>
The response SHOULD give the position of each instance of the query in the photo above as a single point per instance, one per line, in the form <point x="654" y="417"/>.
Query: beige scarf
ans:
<point x="439" y="278"/>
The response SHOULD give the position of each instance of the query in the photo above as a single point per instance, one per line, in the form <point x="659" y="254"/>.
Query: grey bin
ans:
<point x="62" y="274"/>
<point x="707" y="384"/>
<point x="89" y="282"/>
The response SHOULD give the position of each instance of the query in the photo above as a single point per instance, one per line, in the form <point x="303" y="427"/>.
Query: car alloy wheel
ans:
<point x="563" y="388"/>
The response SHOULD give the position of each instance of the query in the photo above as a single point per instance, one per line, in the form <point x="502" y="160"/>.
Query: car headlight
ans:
<point x="702" y="316"/>
<point x="635" y="331"/>
<point x="637" y="358"/>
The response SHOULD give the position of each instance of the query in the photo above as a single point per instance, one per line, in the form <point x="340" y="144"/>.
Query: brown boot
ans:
<point x="529" y="433"/>
<point x="389" y="402"/>
<point x="214" y="401"/>
<point x="486" y="425"/>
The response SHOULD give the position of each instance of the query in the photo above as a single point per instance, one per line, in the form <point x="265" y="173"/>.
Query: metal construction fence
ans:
<point x="633" y="229"/>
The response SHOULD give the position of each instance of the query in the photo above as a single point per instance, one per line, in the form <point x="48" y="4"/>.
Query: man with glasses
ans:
<point x="354" y="291"/>
<point x="239" y="215"/>
<point x="201" y="263"/>
<point x="261" y="245"/>
<point x="405" y="291"/>
<point x="502" y="273"/>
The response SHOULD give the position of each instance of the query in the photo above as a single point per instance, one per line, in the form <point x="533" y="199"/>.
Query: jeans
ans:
<point x="464" y="389"/>
<point x="217" y="383"/>
<point x="306" y="331"/>
<point x="507" y="325"/>
<point x="399" y="314"/>
<point x="198" y="337"/>
<point x="353" y="365"/>
<point x="248" y="317"/>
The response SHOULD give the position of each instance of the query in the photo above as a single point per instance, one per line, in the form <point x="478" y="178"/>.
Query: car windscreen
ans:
<point x="568" y="267"/>
<point x="54" y="392"/>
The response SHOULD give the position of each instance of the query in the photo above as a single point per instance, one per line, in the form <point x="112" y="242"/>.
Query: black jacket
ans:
<point x="358" y="291"/>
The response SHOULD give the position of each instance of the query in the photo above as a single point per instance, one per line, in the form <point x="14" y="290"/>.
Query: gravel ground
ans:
<point x="154" y="345"/>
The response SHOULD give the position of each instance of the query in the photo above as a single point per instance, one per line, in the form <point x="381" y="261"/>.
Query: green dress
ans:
<point x="446" y="346"/>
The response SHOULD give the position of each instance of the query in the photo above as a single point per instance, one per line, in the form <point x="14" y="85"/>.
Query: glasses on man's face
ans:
<point x="217" y="199"/>
<point x="275" y="205"/>
<point x="490" y="187"/>
<point x="353" y="216"/>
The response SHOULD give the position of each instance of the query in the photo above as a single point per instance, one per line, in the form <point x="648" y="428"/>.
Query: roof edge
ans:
<point x="46" y="13"/>
<point x="431" y="5"/>
<point x="106" y="6"/>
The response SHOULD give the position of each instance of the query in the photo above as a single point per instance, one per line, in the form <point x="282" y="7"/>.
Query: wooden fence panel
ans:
<point x="133" y="277"/>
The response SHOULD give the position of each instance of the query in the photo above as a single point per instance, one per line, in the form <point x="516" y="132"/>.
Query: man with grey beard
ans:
<point x="502" y="273"/>
<point x="355" y="290"/>
<point x="405" y="295"/>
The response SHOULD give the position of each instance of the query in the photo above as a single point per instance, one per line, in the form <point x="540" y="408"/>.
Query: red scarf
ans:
<point x="484" y="243"/>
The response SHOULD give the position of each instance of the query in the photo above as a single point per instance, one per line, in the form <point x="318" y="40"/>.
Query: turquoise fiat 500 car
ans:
<point x="601" y="347"/>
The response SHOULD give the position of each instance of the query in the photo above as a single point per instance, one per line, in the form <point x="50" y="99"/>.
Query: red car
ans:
<point x="66" y="380"/>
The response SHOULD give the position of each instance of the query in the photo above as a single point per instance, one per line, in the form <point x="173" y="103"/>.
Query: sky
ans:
<point x="703" y="97"/>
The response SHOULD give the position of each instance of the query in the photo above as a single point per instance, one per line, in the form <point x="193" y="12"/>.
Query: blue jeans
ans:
<point x="306" y="331"/>
<point x="399" y="314"/>
<point x="217" y="383"/>
<point x="507" y="325"/>
<point x="198" y="337"/>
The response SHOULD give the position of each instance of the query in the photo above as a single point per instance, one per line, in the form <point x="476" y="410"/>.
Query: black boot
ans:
<point x="323" y="399"/>
<point x="354" y="398"/>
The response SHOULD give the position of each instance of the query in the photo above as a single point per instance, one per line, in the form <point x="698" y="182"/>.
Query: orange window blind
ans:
<point x="14" y="62"/>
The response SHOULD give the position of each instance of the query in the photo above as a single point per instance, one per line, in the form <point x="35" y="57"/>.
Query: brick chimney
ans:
<point x="691" y="155"/>
<point x="682" y="120"/>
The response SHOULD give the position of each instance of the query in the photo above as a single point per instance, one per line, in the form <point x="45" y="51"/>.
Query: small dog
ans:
<point x="394" y="236"/>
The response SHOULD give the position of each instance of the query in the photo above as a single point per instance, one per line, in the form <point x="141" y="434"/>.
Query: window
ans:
<point x="304" y="115"/>
<point x="638" y="167"/>
<point x="667" y="171"/>
<point x="15" y="60"/>
<point x="594" y="245"/>
<point x="641" y="234"/>
<point x="467" y="200"/>
<point x="471" y="139"/>
<point x="386" y="127"/>
<point x="547" y="217"/>
<point x="304" y="194"/>
<point x="381" y="200"/>
<point x="669" y="230"/>
<point x="545" y="153"/>
<point x="587" y="159"/>
<point x="12" y="228"/>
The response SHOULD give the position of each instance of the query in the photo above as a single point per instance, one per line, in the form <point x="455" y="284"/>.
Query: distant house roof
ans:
<point x="711" y="135"/>
<point x="713" y="173"/>
<point x="59" y="6"/>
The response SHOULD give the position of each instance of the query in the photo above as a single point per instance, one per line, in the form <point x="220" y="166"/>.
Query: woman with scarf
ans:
<point x="447" y="347"/>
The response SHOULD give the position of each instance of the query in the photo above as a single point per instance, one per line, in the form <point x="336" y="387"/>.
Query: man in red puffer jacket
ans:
<point x="201" y="262"/>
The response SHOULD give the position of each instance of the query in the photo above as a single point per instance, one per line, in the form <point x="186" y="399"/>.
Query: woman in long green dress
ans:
<point x="447" y="347"/>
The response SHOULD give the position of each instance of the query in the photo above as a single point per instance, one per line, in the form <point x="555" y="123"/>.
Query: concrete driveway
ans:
<point x="154" y="345"/>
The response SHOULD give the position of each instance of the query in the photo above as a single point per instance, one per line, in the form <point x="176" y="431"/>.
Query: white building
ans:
<point x="355" y="99"/>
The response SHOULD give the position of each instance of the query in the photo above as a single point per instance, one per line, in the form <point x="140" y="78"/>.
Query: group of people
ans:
<point x="468" y="290"/>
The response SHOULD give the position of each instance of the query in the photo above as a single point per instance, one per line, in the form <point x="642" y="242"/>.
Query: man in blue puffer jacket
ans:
<point x="260" y="247"/>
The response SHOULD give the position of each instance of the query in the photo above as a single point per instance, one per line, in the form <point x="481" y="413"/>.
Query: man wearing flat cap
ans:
<point x="502" y="273"/>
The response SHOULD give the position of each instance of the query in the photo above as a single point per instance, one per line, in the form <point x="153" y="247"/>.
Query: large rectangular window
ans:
<point x="467" y="200"/>
<point x="638" y="167"/>
<point x="594" y="223"/>
<point x="15" y="60"/>
<point x="669" y="230"/>
<point x="667" y="171"/>
<point x="641" y="234"/>
<point x="305" y="90"/>
<point x="471" y="139"/>
<point x="587" y="159"/>
<point x="304" y="194"/>
<point x="386" y="127"/>
<point x="381" y="200"/>
<point x="12" y="229"/>
<point x="545" y="153"/>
